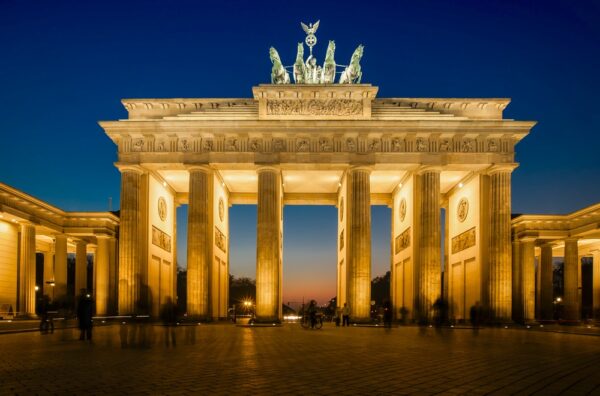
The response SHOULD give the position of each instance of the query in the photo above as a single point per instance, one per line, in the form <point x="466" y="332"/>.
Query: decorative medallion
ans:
<point x="221" y="209"/>
<point x="162" y="208"/>
<point x="402" y="209"/>
<point x="463" y="209"/>
<point x="342" y="209"/>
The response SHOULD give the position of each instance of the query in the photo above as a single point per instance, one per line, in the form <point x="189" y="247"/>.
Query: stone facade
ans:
<point x="338" y="145"/>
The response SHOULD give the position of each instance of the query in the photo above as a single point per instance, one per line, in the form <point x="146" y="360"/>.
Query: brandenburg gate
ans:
<point x="320" y="142"/>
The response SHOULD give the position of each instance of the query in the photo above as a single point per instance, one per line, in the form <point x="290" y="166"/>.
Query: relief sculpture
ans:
<point x="328" y="107"/>
<point x="161" y="239"/>
<point x="220" y="240"/>
<point x="402" y="241"/>
<point x="463" y="241"/>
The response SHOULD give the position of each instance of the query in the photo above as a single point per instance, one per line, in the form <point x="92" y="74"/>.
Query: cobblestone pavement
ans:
<point x="224" y="359"/>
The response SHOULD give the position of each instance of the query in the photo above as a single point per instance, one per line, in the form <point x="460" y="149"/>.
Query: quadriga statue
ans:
<point x="278" y="73"/>
<point x="299" y="68"/>
<point x="353" y="73"/>
<point x="328" y="74"/>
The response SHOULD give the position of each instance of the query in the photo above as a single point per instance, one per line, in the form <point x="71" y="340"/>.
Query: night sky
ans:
<point x="66" y="65"/>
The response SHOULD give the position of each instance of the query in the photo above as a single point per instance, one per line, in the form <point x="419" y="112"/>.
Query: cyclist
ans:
<point x="312" y="313"/>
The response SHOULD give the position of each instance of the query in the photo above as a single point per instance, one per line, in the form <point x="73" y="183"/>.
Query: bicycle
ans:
<point x="305" y="321"/>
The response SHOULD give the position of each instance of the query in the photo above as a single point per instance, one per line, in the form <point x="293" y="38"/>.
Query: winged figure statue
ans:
<point x="311" y="28"/>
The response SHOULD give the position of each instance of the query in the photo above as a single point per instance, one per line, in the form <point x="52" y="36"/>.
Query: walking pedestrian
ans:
<point x="346" y="315"/>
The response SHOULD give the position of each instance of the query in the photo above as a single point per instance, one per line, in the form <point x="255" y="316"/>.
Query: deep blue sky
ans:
<point x="66" y="65"/>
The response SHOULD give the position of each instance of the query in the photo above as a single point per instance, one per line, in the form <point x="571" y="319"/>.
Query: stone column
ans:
<point x="358" y="249"/>
<point x="517" y="284"/>
<point x="571" y="297"/>
<point x="27" y="270"/>
<point x="101" y="274"/>
<point x="596" y="284"/>
<point x="500" y="271"/>
<point x="129" y="239"/>
<point x="427" y="238"/>
<point x="80" y="266"/>
<point x="268" y="253"/>
<point x="60" y="266"/>
<point x="546" y="287"/>
<point x="113" y="276"/>
<point x="48" y="273"/>
<point x="200" y="242"/>
<point x="528" y="279"/>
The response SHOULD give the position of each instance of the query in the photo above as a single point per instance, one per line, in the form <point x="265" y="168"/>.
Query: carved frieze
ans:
<point x="463" y="241"/>
<point x="161" y="239"/>
<point x="220" y="240"/>
<point x="402" y="241"/>
<point x="315" y="107"/>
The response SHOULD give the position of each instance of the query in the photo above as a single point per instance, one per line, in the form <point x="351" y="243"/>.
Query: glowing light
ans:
<point x="460" y="185"/>
<point x="37" y="288"/>
<point x="164" y="184"/>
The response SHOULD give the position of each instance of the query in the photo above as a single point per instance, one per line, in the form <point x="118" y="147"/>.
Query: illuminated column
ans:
<point x="48" y="273"/>
<point x="27" y="270"/>
<point x="199" y="241"/>
<point x="500" y="245"/>
<point x="60" y="266"/>
<point x="129" y="238"/>
<point x="358" y="251"/>
<point x="596" y="284"/>
<point x="528" y="279"/>
<point x="80" y="266"/>
<point x="427" y="238"/>
<point x="268" y="245"/>
<point x="517" y="284"/>
<point x="546" y="287"/>
<point x="113" y="276"/>
<point x="571" y="297"/>
<point x="101" y="274"/>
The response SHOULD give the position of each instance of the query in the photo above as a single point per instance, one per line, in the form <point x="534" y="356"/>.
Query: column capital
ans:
<point x="198" y="168"/>
<point x="267" y="168"/>
<point x="130" y="168"/>
<point x="497" y="168"/>
<point x="364" y="168"/>
<point x="571" y="239"/>
<point x="428" y="169"/>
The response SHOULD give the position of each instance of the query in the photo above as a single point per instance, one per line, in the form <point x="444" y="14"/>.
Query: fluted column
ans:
<point x="60" y="266"/>
<point x="571" y="297"/>
<point x="80" y="266"/>
<point x="358" y="250"/>
<point x="546" y="287"/>
<point x="427" y="238"/>
<point x="113" y="276"/>
<point x="129" y="239"/>
<point x="268" y="253"/>
<point x="528" y="279"/>
<point x="27" y="270"/>
<point x="596" y="284"/>
<point x="517" y="284"/>
<point x="500" y="270"/>
<point x="101" y="274"/>
<point x="199" y="242"/>
<point x="48" y="273"/>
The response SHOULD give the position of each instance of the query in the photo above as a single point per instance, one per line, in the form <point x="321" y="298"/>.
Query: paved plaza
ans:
<point x="224" y="359"/>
